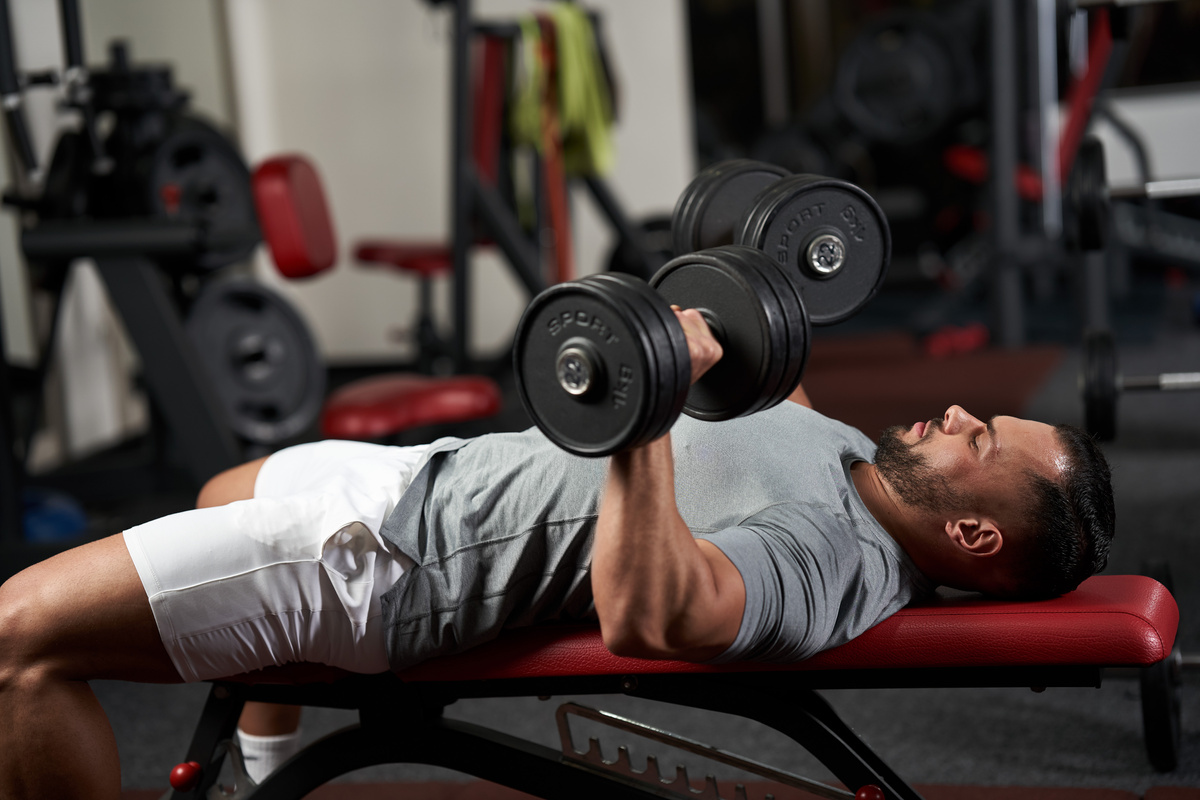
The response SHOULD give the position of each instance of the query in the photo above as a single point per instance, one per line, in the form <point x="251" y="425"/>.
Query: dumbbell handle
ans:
<point x="1166" y="382"/>
<point x="1157" y="190"/>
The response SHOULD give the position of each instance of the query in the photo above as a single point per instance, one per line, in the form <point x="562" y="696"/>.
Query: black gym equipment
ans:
<point x="1086" y="216"/>
<point x="601" y="363"/>
<point x="906" y="76"/>
<point x="477" y="206"/>
<point x="1101" y="383"/>
<point x="828" y="234"/>
<point x="261" y="359"/>
<point x="1159" y="684"/>
<point x="710" y="209"/>
<point x="1087" y="197"/>
<point x="757" y="314"/>
<point x="1086" y="212"/>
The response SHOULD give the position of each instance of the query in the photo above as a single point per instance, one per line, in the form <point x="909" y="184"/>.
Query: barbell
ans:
<point x="1087" y="194"/>
<point x="1101" y="383"/>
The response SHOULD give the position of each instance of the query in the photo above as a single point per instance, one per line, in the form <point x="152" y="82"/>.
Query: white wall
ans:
<point x="362" y="86"/>
<point x="1168" y="120"/>
<point x="188" y="36"/>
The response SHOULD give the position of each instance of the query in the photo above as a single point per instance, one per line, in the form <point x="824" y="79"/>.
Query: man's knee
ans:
<point x="229" y="486"/>
<point x="22" y="627"/>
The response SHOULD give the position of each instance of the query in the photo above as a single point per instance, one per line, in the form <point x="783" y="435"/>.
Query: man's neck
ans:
<point x="889" y="512"/>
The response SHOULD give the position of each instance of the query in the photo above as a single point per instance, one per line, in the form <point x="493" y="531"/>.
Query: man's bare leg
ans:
<point x="259" y="719"/>
<point x="79" y="616"/>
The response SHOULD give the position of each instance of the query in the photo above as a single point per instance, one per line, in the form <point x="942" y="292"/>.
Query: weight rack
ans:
<point x="473" y="199"/>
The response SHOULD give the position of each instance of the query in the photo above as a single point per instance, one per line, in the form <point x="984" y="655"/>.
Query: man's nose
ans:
<point x="957" y="420"/>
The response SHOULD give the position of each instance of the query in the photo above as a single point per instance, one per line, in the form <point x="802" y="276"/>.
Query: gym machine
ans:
<point x="162" y="202"/>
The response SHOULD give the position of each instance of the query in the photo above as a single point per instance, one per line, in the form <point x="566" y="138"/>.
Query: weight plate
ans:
<point x="197" y="175"/>
<point x="660" y="360"/>
<point x="748" y="322"/>
<point x="830" y="236"/>
<point x="1099" y="380"/>
<point x="795" y="318"/>
<point x="748" y="262"/>
<point x="587" y="331"/>
<point x="669" y="347"/>
<point x="707" y="212"/>
<point x="1086" y="211"/>
<point x="902" y="79"/>
<point x="259" y="355"/>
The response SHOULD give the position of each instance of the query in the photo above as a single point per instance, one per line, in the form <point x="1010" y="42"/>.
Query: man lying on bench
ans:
<point x="769" y="537"/>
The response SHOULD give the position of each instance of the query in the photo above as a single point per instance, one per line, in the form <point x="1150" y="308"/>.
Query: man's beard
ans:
<point x="908" y="472"/>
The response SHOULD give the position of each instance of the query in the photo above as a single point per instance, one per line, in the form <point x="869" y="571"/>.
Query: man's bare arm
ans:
<point x="659" y="592"/>
<point x="800" y="396"/>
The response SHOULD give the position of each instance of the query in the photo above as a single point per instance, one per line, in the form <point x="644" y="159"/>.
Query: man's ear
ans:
<point x="978" y="536"/>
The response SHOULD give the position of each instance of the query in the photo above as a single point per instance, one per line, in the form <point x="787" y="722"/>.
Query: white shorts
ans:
<point x="294" y="575"/>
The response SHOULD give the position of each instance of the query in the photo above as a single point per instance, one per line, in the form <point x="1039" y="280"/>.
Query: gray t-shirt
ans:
<point x="500" y="531"/>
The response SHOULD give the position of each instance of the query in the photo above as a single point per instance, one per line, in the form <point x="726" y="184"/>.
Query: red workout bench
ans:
<point x="962" y="641"/>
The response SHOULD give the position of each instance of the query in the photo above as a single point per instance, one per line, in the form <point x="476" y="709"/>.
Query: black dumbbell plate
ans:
<point x="709" y="209"/>
<point x="749" y="325"/>
<point x="669" y="350"/>
<point x="799" y="211"/>
<point x="624" y="406"/>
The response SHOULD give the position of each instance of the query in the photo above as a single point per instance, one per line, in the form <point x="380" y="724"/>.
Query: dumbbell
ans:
<point x="1101" y="383"/>
<point x="829" y="235"/>
<point x="602" y="363"/>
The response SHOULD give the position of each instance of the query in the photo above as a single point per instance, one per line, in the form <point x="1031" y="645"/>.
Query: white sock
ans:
<point x="263" y="754"/>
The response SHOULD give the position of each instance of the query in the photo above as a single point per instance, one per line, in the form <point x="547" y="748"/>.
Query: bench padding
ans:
<point x="1110" y="620"/>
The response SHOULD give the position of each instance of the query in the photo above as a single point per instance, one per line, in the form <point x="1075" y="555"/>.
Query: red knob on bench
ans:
<point x="869" y="792"/>
<point x="185" y="776"/>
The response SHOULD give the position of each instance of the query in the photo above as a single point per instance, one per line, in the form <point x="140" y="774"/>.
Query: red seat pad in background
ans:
<point x="382" y="405"/>
<point x="1110" y="620"/>
<point x="427" y="259"/>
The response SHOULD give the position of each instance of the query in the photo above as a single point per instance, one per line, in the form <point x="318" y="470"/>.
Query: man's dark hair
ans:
<point x="1070" y="522"/>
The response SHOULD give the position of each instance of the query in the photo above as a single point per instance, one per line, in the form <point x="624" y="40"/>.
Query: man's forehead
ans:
<point x="1031" y="441"/>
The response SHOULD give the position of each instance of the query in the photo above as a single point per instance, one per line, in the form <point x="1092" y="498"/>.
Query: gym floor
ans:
<point x="1069" y="742"/>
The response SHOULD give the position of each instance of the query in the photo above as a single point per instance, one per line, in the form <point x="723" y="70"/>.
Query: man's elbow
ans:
<point x="642" y="638"/>
<point x="629" y="639"/>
